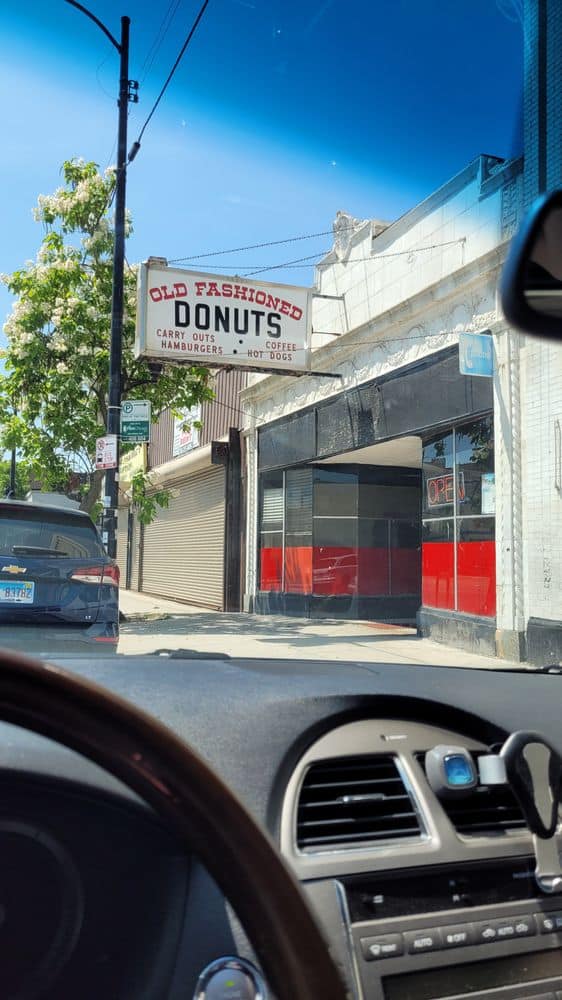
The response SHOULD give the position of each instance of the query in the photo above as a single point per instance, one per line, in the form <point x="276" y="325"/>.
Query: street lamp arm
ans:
<point x="96" y="20"/>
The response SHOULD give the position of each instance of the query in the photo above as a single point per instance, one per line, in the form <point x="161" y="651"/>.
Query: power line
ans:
<point x="155" y="42"/>
<point x="165" y="25"/>
<point x="298" y="261"/>
<point x="290" y="263"/>
<point x="353" y="260"/>
<point x="229" y="406"/>
<point x="136" y="145"/>
<point x="380" y="343"/>
<point x="99" y="83"/>
<point x="110" y="157"/>
<point x="257" y="246"/>
<point x="232" y="265"/>
<point x="272" y="267"/>
<point x="114" y="147"/>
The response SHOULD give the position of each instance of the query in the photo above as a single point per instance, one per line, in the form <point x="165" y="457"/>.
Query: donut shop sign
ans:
<point x="189" y="317"/>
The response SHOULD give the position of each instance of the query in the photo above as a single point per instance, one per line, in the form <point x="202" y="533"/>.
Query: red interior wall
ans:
<point x="476" y="578"/>
<point x="438" y="563"/>
<point x="271" y="569"/>
<point x="298" y="569"/>
<point x="332" y="570"/>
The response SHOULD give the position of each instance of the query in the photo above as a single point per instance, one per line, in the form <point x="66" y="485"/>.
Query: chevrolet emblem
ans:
<point x="14" y="569"/>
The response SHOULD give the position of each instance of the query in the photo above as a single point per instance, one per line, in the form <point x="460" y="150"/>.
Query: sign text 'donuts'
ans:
<point x="189" y="317"/>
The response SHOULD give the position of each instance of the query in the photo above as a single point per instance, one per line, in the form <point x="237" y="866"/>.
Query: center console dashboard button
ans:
<point x="457" y="935"/>
<point x="488" y="931"/>
<point x="382" y="946"/>
<point x="549" y="922"/>
<point x="418" y="942"/>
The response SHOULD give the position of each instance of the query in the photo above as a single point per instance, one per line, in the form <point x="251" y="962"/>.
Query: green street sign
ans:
<point x="135" y="430"/>
<point x="135" y="420"/>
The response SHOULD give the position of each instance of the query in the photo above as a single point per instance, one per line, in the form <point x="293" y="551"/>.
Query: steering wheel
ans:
<point x="193" y="803"/>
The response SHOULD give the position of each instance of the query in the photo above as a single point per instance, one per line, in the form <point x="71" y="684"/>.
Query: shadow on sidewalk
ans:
<point x="269" y="629"/>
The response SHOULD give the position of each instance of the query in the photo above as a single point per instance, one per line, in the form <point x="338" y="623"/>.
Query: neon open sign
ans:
<point x="441" y="489"/>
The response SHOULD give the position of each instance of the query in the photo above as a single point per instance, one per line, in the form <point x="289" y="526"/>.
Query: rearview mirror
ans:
<point x="531" y="284"/>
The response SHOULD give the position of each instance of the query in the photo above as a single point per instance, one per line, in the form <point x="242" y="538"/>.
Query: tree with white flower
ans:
<point x="54" y="386"/>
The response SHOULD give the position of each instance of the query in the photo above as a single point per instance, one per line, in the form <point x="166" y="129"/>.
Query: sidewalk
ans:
<point x="134" y="606"/>
<point x="153" y="623"/>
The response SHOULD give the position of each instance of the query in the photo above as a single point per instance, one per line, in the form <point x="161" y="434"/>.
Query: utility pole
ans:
<point x="127" y="92"/>
<point x="116" y="342"/>
<point x="12" y="492"/>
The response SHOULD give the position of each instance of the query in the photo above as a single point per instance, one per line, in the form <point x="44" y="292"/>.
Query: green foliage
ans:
<point x="23" y="479"/>
<point x="96" y="511"/>
<point x="480" y="437"/>
<point x="146" y="499"/>
<point x="53" y="390"/>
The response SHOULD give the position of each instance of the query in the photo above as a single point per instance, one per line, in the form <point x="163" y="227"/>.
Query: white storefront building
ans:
<point x="539" y="598"/>
<point x="393" y="490"/>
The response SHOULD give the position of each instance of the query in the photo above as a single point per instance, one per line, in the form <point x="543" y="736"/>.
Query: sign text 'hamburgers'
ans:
<point x="192" y="317"/>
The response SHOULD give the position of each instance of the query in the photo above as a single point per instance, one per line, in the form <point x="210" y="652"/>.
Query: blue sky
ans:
<point x="281" y="113"/>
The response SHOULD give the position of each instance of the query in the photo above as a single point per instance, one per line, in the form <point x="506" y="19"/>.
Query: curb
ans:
<point x="143" y="616"/>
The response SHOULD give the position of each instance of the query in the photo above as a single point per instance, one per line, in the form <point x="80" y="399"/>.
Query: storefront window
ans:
<point x="438" y="477"/>
<point x="341" y="532"/>
<point x="335" y="493"/>
<point x="458" y="548"/>
<point x="298" y="531"/>
<point x="438" y="563"/>
<point x="476" y="565"/>
<point x="271" y="531"/>
<point x="474" y="453"/>
<point x="335" y="532"/>
<point x="476" y="549"/>
<point x="404" y="554"/>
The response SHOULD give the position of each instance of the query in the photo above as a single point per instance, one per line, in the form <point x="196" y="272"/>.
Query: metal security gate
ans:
<point x="183" y="549"/>
<point x="122" y="534"/>
<point x="135" y="543"/>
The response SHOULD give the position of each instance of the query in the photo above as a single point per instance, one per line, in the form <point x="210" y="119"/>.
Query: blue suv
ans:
<point x="59" y="590"/>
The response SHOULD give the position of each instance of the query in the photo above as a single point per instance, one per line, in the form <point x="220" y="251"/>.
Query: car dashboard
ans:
<point x="419" y="898"/>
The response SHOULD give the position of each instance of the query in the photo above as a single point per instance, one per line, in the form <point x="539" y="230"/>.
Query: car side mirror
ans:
<point x="531" y="283"/>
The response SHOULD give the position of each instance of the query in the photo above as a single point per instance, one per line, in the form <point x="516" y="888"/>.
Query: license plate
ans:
<point x="17" y="592"/>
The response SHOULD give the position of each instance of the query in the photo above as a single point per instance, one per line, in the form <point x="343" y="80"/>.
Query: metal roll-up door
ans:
<point x="183" y="549"/>
<point x="122" y="532"/>
<point x="135" y="554"/>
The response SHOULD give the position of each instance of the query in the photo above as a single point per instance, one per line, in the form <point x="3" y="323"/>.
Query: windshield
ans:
<point x="253" y="330"/>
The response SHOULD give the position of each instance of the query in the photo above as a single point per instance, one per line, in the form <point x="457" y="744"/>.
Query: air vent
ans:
<point x="490" y="810"/>
<point x="351" y="801"/>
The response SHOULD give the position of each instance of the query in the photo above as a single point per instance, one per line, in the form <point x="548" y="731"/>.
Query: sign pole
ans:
<point x="116" y="342"/>
<point x="127" y="92"/>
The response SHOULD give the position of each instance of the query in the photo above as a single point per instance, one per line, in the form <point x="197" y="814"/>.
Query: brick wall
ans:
<point x="542" y="497"/>
<point x="541" y="361"/>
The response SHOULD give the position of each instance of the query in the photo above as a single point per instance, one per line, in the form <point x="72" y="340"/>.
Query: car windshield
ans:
<point x="253" y="329"/>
